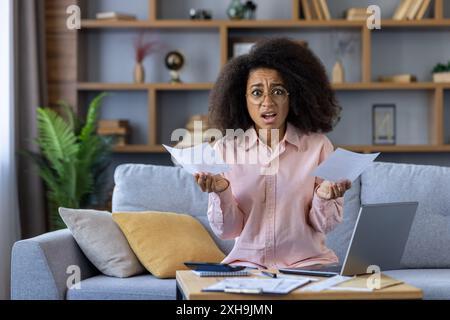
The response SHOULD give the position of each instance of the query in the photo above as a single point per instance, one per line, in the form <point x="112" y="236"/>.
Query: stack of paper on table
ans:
<point x="257" y="286"/>
<point x="363" y="283"/>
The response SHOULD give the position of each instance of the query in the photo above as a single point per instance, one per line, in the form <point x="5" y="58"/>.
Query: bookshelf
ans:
<point x="225" y="30"/>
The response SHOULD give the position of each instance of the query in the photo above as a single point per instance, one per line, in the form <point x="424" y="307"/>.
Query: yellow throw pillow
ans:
<point x="163" y="241"/>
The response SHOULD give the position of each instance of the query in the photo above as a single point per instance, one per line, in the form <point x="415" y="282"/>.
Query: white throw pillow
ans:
<point x="102" y="241"/>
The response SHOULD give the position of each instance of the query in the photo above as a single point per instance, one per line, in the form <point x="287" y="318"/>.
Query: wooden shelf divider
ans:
<point x="348" y="86"/>
<point x="366" y="54"/>
<point x="223" y="45"/>
<point x="436" y="117"/>
<point x="152" y="10"/>
<point x="152" y="129"/>
<point x="259" y="24"/>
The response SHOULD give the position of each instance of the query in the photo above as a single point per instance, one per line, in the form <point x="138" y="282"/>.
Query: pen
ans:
<point x="242" y="290"/>
<point x="269" y="274"/>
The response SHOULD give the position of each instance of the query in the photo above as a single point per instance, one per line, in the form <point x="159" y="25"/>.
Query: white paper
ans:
<point x="200" y="158"/>
<point x="276" y="286"/>
<point x="343" y="164"/>
<point x="351" y="289"/>
<point x="326" y="284"/>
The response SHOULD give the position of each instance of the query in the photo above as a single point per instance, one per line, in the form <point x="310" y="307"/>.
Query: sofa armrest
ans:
<point x="39" y="266"/>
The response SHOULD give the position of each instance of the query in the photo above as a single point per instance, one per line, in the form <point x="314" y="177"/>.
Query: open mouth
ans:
<point x="269" y="116"/>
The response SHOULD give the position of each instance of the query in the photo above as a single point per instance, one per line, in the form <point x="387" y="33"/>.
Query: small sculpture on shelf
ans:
<point x="236" y="10"/>
<point x="344" y="45"/>
<point x="174" y="62"/>
<point x="142" y="50"/>
<point x="200" y="14"/>
<point x="250" y="10"/>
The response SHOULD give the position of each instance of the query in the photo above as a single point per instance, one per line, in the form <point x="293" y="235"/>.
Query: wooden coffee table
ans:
<point x="189" y="287"/>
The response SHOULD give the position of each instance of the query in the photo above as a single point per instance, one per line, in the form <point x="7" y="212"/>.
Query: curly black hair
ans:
<point x="312" y="103"/>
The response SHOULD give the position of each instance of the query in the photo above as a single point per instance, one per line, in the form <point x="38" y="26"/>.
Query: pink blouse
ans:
<point x="277" y="220"/>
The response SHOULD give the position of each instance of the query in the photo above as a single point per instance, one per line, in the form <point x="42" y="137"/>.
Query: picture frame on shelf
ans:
<point x="242" y="45"/>
<point x="384" y="124"/>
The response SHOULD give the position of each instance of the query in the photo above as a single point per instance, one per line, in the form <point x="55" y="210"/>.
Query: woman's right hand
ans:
<point x="211" y="183"/>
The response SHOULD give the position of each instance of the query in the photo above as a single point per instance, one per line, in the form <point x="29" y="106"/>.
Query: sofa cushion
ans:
<point x="338" y="240"/>
<point x="428" y="242"/>
<point x="142" y="287"/>
<point x="140" y="187"/>
<point x="435" y="283"/>
<point x="163" y="241"/>
<point x="102" y="241"/>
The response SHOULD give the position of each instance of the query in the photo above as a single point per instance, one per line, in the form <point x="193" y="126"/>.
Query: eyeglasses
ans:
<point x="278" y="95"/>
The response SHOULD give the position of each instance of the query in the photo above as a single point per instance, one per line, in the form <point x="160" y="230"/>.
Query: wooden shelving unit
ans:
<point x="436" y="109"/>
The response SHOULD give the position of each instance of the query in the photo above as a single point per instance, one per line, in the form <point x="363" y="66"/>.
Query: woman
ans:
<point x="278" y="217"/>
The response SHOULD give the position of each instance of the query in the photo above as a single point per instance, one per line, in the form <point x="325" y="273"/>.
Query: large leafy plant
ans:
<point x="72" y="159"/>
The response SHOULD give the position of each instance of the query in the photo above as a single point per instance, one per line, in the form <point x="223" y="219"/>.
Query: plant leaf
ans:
<point x="55" y="138"/>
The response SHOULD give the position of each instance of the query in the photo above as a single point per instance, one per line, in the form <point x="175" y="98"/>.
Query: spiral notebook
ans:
<point x="241" y="273"/>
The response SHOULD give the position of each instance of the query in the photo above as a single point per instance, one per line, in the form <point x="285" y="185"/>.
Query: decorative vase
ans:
<point x="338" y="72"/>
<point x="139" y="73"/>
<point x="249" y="10"/>
<point x="236" y="10"/>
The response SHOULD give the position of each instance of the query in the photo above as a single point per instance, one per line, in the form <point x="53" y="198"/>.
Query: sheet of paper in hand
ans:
<point x="343" y="164"/>
<point x="200" y="158"/>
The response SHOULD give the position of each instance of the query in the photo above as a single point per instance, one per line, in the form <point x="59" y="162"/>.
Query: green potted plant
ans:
<point x="72" y="159"/>
<point x="441" y="72"/>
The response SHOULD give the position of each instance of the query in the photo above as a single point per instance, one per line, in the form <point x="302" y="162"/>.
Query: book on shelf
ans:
<point x="402" y="9"/>
<point x="357" y="14"/>
<point x="112" y="123"/>
<point x="398" y="78"/>
<point x="306" y="9"/>
<point x="317" y="10"/>
<point x="118" y="128"/>
<point x="423" y="9"/>
<point x="112" y="15"/>
<point x="413" y="9"/>
<point x="325" y="10"/>
<point x="112" y="131"/>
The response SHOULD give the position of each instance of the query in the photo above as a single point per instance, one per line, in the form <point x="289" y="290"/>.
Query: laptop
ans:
<point x="379" y="238"/>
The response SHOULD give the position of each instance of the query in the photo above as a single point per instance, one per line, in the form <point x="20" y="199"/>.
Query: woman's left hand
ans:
<point x="332" y="190"/>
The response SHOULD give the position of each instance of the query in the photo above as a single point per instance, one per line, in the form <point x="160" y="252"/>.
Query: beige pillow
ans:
<point x="102" y="241"/>
<point x="163" y="241"/>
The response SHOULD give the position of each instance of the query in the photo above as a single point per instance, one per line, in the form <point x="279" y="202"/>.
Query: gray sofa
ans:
<point x="39" y="264"/>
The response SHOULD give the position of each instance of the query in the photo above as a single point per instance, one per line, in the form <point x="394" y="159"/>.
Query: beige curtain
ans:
<point x="31" y="92"/>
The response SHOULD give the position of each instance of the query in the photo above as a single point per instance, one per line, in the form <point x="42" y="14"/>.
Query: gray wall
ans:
<point x="110" y="59"/>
